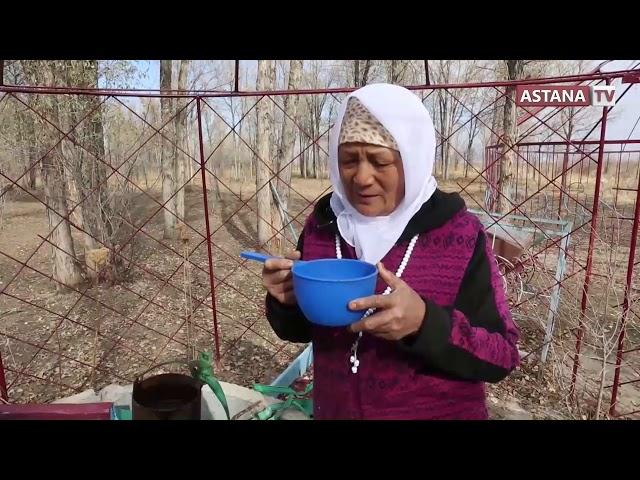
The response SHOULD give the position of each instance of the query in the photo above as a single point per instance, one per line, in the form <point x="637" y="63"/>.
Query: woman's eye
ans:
<point x="347" y="162"/>
<point x="380" y="163"/>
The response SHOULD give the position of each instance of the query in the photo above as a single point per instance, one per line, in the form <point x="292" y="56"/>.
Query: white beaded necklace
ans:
<point x="353" y="359"/>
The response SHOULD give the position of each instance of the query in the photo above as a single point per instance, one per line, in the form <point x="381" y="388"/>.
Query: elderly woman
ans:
<point x="439" y="326"/>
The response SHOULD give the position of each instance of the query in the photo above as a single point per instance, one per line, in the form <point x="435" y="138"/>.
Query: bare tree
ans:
<point x="85" y="161"/>
<point x="215" y="167"/>
<point x="25" y="134"/>
<point x="150" y="161"/>
<point x="167" y="154"/>
<point x="66" y="270"/>
<point x="573" y="123"/>
<point x="515" y="70"/>
<point x="265" y="81"/>
<point x="181" y="137"/>
<point x="234" y="106"/>
<point x="288" y="140"/>
<point x="315" y="105"/>
<point x="361" y="70"/>
<point x="479" y="116"/>
<point x="30" y="152"/>
<point x="397" y="71"/>
<point x="448" y="107"/>
<point x="472" y="131"/>
<point x="314" y="117"/>
<point x="17" y="133"/>
<point x="79" y="162"/>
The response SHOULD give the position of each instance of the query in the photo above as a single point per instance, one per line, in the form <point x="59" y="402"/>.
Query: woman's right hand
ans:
<point x="278" y="279"/>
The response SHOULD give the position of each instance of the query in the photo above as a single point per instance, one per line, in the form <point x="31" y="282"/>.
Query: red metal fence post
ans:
<point x="3" y="382"/>
<point x="625" y="308"/>
<point x="216" y="332"/>
<point x="592" y="237"/>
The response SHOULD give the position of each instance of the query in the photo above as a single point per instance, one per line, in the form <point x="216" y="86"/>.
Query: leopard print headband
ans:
<point x="359" y="125"/>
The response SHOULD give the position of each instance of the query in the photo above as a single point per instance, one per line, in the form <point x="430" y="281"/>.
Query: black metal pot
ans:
<point x="168" y="396"/>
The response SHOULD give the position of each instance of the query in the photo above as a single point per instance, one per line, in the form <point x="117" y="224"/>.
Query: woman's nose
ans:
<point x="364" y="174"/>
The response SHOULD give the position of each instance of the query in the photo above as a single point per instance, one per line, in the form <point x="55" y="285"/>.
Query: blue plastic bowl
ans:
<point x="324" y="289"/>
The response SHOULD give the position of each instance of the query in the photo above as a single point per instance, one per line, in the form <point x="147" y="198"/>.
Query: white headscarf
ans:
<point x="408" y="121"/>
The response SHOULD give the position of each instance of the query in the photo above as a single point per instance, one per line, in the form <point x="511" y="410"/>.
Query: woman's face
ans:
<point x="372" y="177"/>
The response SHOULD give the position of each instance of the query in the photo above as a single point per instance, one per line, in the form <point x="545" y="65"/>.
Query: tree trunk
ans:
<point x="397" y="69"/>
<point x="32" y="177"/>
<point x="287" y="145"/>
<point x="236" y="165"/>
<point x="467" y="163"/>
<point x="214" y="167"/>
<point x="145" y="167"/>
<point x="393" y="71"/>
<point x="97" y="170"/>
<point x="65" y="268"/>
<point x="468" y="160"/>
<point x="356" y="73"/>
<point x="32" y="152"/>
<point x="509" y="138"/>
<point x="361" y="72"/>
<point x="498" y="110"/>
<point x="494" y="166"/>
<point x="168" y="156"/>
<point x="316" y="150"/>
<point x="88" y="170"/>
<point x="316" y="154"/>
<point x="241" y="163"/>
<point x="190" y="163"/>
<point x="446" y="160"/>
<point x="181" y="129"/>
<point x="24" y="145"/>
<point x="365" y="73"/>
<point x="289" y="129"/>
<point x="473" y="132"/>
<point x="444" y="105"/>
<point x="72" y="176"/>
<point x="303" y="154"/>
<point x="311" y="160"/>
<point x="265" y="81"/>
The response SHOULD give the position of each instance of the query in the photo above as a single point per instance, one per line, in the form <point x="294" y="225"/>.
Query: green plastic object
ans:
<point x="121" y="412"/>
<point x="203" y="371"/>
<point x="293" y="399"/>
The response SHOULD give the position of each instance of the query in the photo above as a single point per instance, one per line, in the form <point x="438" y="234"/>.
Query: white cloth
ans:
<point x="406" y="118"/>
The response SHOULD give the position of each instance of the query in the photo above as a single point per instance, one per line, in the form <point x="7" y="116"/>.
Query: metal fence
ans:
<point x="572" y="206"/>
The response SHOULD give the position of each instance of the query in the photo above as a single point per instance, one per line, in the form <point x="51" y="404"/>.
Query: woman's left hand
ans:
<point x="397" y="315"/>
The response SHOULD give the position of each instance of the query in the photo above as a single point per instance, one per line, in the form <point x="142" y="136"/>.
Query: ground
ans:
<point x="250" y="351"/>
<point x="141" y="320"/>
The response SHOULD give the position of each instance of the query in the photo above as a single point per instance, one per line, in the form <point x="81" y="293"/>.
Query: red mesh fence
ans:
<point x="104" y="273"/>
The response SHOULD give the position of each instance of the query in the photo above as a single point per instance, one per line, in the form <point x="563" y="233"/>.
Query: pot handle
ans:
<point x="202" y="371"/>
<point x="168" y="362"/>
